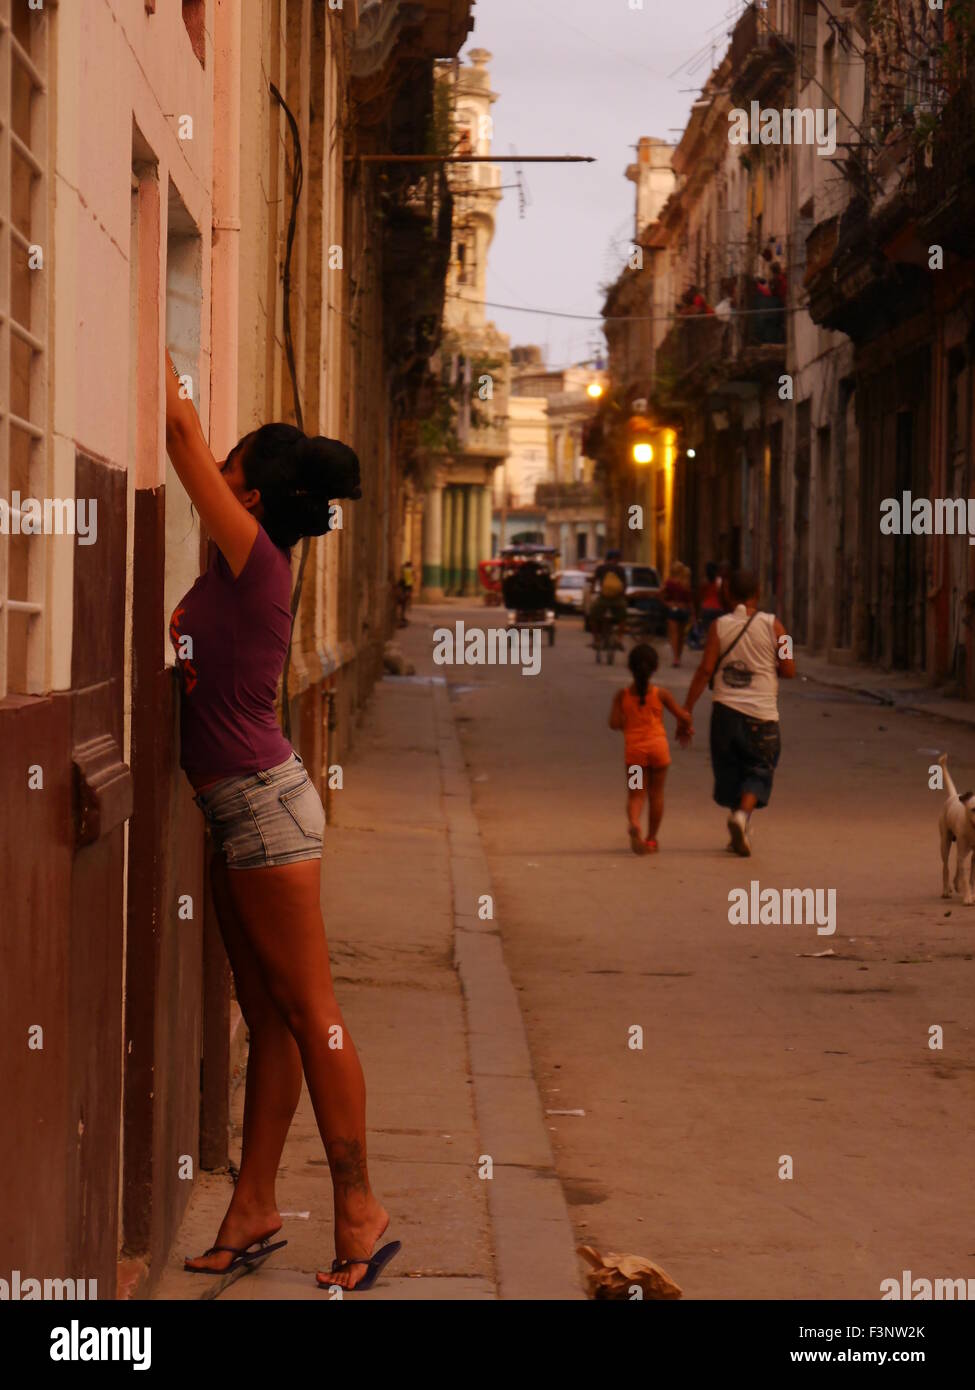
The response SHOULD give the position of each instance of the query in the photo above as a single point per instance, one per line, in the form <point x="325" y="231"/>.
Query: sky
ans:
<point x="582" y="77"/>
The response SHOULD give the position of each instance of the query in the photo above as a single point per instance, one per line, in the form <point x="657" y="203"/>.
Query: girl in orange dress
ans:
<point x="638" y="713"/>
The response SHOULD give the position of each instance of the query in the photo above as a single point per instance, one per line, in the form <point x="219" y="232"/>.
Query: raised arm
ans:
<point x="227" y="520"/>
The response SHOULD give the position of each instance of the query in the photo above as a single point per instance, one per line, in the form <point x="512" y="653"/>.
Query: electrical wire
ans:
<point x="630" y="318"/>
<point x="297" y="179"/>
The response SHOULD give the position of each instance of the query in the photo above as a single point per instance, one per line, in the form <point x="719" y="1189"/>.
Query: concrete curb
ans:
<point x="889" y="701"/>
<point x="534" y="1245"/>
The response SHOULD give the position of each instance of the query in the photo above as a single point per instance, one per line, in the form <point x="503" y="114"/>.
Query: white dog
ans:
<point x="957" y="824"/>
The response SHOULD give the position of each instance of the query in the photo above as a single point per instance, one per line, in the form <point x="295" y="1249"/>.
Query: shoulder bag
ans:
<point x="730" y="648"/>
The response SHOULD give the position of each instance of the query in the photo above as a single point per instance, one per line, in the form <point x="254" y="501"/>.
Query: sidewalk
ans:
<point x="904" y="691"/>
<point x="428" y="999"/>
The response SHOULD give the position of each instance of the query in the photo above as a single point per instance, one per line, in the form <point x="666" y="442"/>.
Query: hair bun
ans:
<point x="328" y="467"/>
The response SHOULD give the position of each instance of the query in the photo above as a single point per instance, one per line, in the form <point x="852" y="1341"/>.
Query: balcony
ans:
<point x="944" y="199"/>
<point x="568" y="496"/>
<point x="762" y="60"/>
<point x="695" y="343"/>
<point x="703" y="355"/>
<point x="435" y="29"/>
<point x="855" y="284"/>
<point x="416" y="239"/>
<point x="485" y="438"/>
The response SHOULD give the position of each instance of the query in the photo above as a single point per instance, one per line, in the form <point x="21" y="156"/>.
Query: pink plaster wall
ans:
<point x="118" y="62"/>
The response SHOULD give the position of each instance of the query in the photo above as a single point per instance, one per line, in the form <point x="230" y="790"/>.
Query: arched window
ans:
<point x="464" y="252"/>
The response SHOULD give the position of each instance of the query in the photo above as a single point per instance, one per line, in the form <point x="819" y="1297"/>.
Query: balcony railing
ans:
<point x="701" y="346"/>
<point x="949" y="163"/>
<point x="761" y="57"/>
<point x="489" y="439"/>
<point x="694" y="342"/>
<point x="745" y="38"/>
<point x="557" y="496"/>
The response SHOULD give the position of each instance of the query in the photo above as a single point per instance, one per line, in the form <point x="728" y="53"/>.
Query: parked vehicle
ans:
<point x="528" y="586"/>
<point x="489" y="573"/>
<point x="569" y="588"/>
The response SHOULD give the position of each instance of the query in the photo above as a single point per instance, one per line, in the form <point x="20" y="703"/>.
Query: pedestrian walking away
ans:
<point x="678" y="601"/>
<point x="609" y="587"/>
<point x="744" y="658"/>
<point x="265" y="821"/>
<point x="637" y="712"/>
<point x="709" y="602"/>
<point x="403" y="595"/>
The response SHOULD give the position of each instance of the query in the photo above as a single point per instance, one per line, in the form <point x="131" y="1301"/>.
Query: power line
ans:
<point x="702" y="52"/>
<point x="626" y="318"/>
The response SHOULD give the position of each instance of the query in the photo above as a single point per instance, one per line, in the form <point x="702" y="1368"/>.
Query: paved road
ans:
<point x="751" y="1050"/>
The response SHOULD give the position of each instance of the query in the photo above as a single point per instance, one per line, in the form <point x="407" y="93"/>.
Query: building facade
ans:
<point x="892" y="267"/>
<point x="638" y="493"/>
<point x="809" y="291"/>
<point x="547" y="492"/>
<point x="466" y="433"/>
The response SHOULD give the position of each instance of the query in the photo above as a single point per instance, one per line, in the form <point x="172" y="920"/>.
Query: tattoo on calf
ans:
<point x="347" y="1160"/>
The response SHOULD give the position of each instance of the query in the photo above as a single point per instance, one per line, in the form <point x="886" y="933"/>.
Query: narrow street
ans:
<point x="753" y="1048"/>
<point x="348" y="334"/>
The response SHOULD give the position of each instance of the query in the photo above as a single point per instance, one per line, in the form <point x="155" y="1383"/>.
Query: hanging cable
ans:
<point x="297" y="178"/>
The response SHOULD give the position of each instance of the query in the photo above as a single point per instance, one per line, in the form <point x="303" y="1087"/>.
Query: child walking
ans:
<point x="638" y="713"/>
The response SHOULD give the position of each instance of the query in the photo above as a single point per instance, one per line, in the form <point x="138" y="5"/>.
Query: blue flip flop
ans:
<point x="244" y="1255"/>
<point x="375" y="1266"/>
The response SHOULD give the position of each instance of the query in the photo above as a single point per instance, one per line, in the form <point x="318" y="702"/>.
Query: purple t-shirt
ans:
<point x="229" y="671"/>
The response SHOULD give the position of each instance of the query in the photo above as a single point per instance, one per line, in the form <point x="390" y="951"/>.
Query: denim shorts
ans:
<point x="262" y="819"/>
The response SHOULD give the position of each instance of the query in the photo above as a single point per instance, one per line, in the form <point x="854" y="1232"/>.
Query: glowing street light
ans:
<point x="594" y="390"/>
<point x="642" y="453"/>
<point x="692" y="453"/>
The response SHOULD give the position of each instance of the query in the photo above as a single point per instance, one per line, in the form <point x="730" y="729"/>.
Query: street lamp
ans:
<point x="692" y="453"/>
<point x="642" y="453"/>
<point x="594" y="390"/>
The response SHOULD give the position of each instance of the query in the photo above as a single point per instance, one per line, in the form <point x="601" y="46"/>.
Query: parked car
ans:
<point x="642" y="590"/>
<point x="569" y="588"/>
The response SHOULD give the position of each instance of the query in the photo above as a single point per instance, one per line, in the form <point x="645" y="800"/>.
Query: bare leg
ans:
<point x="658" y="776"/>
<point x="271" y="1089"/>
<point x="747" y="802"/>
<point x="674" y="638"/>
<point x="279" y="911"/>
<point x="635" y="797"/>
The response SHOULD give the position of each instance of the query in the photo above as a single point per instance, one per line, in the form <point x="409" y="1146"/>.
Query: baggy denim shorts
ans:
<point x="744" y="755"/>
<point x="263" y="819"/>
